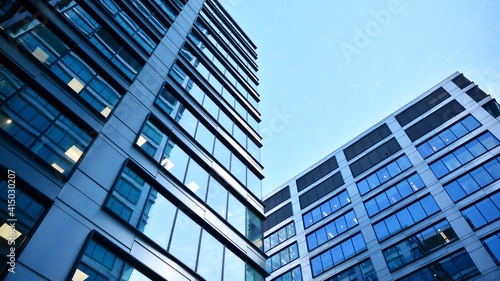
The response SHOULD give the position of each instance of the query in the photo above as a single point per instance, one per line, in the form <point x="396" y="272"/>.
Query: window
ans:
<point x="279" y="236"/>
<point x="100" y="263"/>
<point x="464" y="154"/>
<point x="405" y="218"/>
<point x="337" y="254"/>
<point x="80" y="78"/>
<point x="40" y="127"/>
<point x="483" y="212"/>
<point x="291" y="275"/>
<point x="361" y="271"/>
<point x="418" y="245"/>
<point x="151" y="15"/>
<point x="105" y="41"/>
<point x="28" y="211"/>
<point x="474" y="180"/>
<point x="327" y="208"/>
<point x="394" y="194"/>
<point x="384" y="174"/>
<point x="458" y="266"/>
<point x="492" y="245"/>
<point x="493" y="108"/>
<point x="331" y="230"/>
<point x="448" y="136"/>
<point x="129" y="25"/>
<point x="282" y="258"/>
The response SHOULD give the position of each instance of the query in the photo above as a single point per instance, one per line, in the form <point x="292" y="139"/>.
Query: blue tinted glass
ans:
<point x="325" y="209"/>
<point x="326" y="260"/>
<point x="307" y="220"/>
<point x="474" y="217"/>
<point x="429" y="205"/>
<point x="371" y="207"/>
<point x="404" y="189"/>
<point x="383" y="175"/>
<point x="488" y="209"/>
<point x="373" y="181"/>
<point x="404" y="163"/>
<point x="481" y="176"/>
<point x="335" y="203"/>
<point x="185" y="240"/>
<point x="392" y="224"/>
<point x="404" y="218"/>
<point x="351" y="219"/>
<point x="493" y="168"/>
<point x="316" y="266"/>
<point x="425" y="150"/>
<point x="380" y="230"/>
<point x="493" y="245"/>
<point x="348" y="249"/>
<point x="311" y="241"/>
<point x="363" y="187"/>
<point x="417" y="212"/>
<point x="393" y="169"/>
<point x="436" y="143"/>
<point x="455" y="191"/>
<point x="447" y="137"/>
<point x="316" y="215"/>
<point x="488" y="140"/>
<point x="337" y="254"/>
<point x="331" y="230"/>
<point x="459" y="130"/>
<point x="359" y="243"/>
<point x="468" y="184"/>
<point x="341" y="224"/>
<point x="470" y="123"/>
<point x="463" y="155"/>
<point x="439" y="169"/>
<point x="382" y="201"/>
<point x="450" y="162"/>
<point x="393" y="195"/>
<point x="321" y="236"/>
<point x="476" y="148"/>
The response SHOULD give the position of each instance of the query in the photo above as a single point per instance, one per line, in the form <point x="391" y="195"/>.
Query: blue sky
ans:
<point x="329" y="70"/>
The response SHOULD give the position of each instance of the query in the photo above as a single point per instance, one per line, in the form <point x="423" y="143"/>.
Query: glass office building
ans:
<point x="415" y="197"/>
<point x="129" y="142"/>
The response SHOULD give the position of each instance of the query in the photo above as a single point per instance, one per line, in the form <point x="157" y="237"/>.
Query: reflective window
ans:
<point x="464" y="154"/>
<point x="394" y="194"/>
<point x="151" y="15"/>
<point x="279" y="236"/>
<point x="448" y="136"/>
<point x="129" y="25"/>
<point x="100" y="263"/>
<point x="406" y="217"/>
<point x="361" y="271"/>
<point x="36" y="124"/>
<point x="384" y="174"/>
<point x="474" y="180"/>
<point x="418" y="245"/>
<point x="172" y="229"/>
<point x="282" y="258"/>
<point x="483" y="212"/>
<point x="291" y="275"/>
<point x="47" y="48"/>
<point x="331" y="230"/>
<point x="26" y="211"/>
<point x="492" y="244"/>
<point x="108" y="43"/>
<point x="239" y="170"/>
<point x="329" y="207"/>
<point x="337" y="254"/>
<point x="458" y="266"/>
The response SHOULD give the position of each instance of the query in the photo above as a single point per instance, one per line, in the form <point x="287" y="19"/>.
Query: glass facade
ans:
<point x="279" y="236"/>
<point x="327" y="208"/>
<point x="363" y="271"/>
<point x="331" y="230"/>
<point x="282" y="258"/>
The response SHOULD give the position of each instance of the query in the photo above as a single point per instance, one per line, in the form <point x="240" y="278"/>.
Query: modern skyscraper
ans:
<point x="415" y="197"/>
<point x="129" y="143"/>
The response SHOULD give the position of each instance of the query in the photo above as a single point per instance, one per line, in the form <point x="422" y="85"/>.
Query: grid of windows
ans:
<point x="99" y="263"/>
<point x="418" y="245"/>
<point x="218" y="86"/>
<point x="26" y="210"/>
<point x="405" y="217"/>
<point x="107" y="42"/>
<point x="279" y="236"/>
<point x="394" y="194"/>
<point x="129" y="25"/>
<point x="221" y="67"/>
<point x="448" y="136"/>
<point x="464" y="154"/>
<point x="337" y="254"/>
<point x="292" y="275"/>
<point x="207" y="102"/>
<point x="474" y="180"/>
<point x="212" y="143"/>
<point x="492" y="245"/>
<point x="151" y="15"/>
<point x="145" y="207"/>
<point x="282" y="258"/>
<point x="331" y="230"/>
<point x="483" y="212"/>
<point x="384" y="174"/>
<point x="422" y="106"/>
<point x="238" y="64"/>
<point x="49" y="50"/>
<point x="362" y="271"/>
<point x="324" y="210"/>
<point x="40" y="127"/>
<point x="457" y="267"/>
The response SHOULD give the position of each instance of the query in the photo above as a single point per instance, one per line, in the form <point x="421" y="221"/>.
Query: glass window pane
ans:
<point x="196" y="179"/>
<point x="236" y="214"/>
<point x="482" y="177"/>
<point x="185" y="240"/>
<point x="463" y="155"/>
<point x="417" y="212"/>
<point x="493" y="168"/>
<point x="450" y="162"/>
<point x="380" y="230"/>
<point x="383" y="175"/>
<point x="347" y="249"/>
<point x="488" y="140"/>
<point x="459" y="130"/>
<point x="474" y="217"/>
<point x="393" y="169"/>
<point x="392" y="224"/>
<point x="425" y="150"/>
<point x="404" y="218"/>
<point x="468" y="184"/>
<point x="470" y="123"/>
<point x="217" y="197"/>
<point x="371" y="207"/>
<point x="158" y="219"/>
<point x="436" y="143"/>
<point x="455" y="191"/>
<point x="447" y="137"/>
<point x="382" y="201"/>
<point x="234" y="267"/>
<point x="476" y="148"/>
<point x="363" y="187"/>
<point x="488" y="209"/>
<point x="210" y="260"/>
